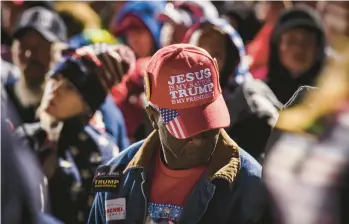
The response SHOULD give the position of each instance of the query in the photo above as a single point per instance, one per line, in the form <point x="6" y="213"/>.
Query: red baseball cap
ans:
<point x="182" y="80"/>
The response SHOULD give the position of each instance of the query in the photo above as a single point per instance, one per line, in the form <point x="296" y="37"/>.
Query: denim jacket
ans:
<point x="230" y="191"/>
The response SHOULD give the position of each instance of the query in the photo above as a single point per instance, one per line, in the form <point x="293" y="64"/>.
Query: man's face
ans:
<point x="214" y="43"/>
<point x="297" y="50"/>
<point x="141" y="41"/>
<point x="187" y="148"/>
<point x="34" y="56"/>
<point x="61" y="100"/>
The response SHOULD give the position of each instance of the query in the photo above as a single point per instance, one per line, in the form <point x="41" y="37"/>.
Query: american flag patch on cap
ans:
<point x="173" y="122"/>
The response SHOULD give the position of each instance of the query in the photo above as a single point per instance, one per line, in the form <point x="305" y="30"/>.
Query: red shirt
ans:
<point x="170" y="190"/>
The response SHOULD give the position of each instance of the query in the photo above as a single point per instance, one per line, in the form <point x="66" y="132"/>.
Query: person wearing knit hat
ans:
<point x="69" y="148"/>
<point x="187" y="170"/>
<point x="109" y="117"/>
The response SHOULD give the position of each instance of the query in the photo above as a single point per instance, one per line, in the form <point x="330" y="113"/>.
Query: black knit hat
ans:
<point x="93" y="70"/>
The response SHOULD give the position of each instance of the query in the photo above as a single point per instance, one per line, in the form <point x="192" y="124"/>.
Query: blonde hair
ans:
<point x="81" y="11"/>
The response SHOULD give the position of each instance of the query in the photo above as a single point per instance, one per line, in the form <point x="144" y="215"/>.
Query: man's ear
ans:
<point x="153" y="116"/>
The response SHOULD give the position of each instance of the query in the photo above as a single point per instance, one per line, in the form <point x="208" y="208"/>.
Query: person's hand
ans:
<point x="105" y="61"/>
<point x="128" y="57"/>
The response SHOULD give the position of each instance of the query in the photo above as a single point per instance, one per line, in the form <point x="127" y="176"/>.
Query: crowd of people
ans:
<point x="175" y="112"/>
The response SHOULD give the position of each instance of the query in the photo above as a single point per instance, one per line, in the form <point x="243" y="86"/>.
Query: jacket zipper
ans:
<point x="205" y="210"/>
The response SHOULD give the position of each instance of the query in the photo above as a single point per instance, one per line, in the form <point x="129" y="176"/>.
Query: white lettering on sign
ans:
<point x="191" y="87"/>
<point x="115" y="209"/>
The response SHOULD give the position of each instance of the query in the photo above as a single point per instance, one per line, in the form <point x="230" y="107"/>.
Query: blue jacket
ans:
<point x="230" y="191"/>
<point x="114" y="123"/>
<point x="147" y="11"/>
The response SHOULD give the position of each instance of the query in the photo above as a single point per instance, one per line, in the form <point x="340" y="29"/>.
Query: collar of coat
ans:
<point x="224" y="164"/>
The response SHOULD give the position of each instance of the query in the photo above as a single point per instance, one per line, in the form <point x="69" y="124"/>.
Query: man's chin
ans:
<point x="34" y="77"/>
<point x="34" y="82"/>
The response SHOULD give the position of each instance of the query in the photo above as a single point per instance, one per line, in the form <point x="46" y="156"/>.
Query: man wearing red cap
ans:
<point x="187" y="170"/>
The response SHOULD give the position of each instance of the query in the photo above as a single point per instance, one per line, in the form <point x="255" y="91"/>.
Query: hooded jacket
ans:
<point x="235" y="69"/>
<point x="252" y="106"/>
<point x="278" y="77"/>
<point x="147" y="12"/>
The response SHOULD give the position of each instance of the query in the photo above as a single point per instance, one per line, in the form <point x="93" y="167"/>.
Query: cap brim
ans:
<point x="196" y="120"/>
<point x="45" y="33"/>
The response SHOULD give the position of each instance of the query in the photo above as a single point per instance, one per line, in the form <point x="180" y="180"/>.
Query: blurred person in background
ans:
<point x="92" y="36"/>
<point x="69" y="149"/>
<point x="137" y="25"/>
<point x="107" y="10"/>
<point x="179" y="16"/>
<point x="108" y="118"/>
<point x="311" y="148"/>
<point x="224" y="44"/>
<point x="129" y="96"/>
<point x="242" y="16"/>
<point x="38" y="41"/>
<point x="188" y="169"/>
<point x="77" y="16"/>
<point x="307" y="169"/>
<point x="297" y="52"/>
<point x="252" y="106"/>
<point x="9" y="72"/>
<point x="257" y="49"/>
<point x="22" y="197"/>
<point x="11" y="11"/>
